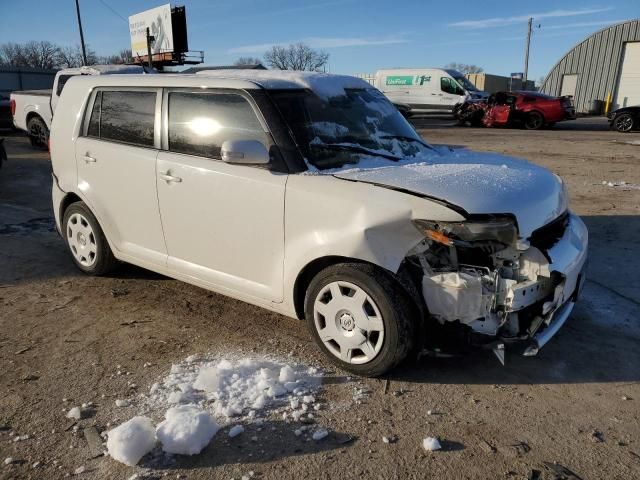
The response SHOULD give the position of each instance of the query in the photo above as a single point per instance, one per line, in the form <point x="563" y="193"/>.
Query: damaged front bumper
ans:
<point x="519" y="298"/>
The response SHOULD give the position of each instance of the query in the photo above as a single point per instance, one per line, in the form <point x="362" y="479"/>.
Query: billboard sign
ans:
<point x="158" y="20"/>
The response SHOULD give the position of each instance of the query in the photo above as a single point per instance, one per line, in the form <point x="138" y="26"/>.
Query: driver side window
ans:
<point x="449" y="85"/>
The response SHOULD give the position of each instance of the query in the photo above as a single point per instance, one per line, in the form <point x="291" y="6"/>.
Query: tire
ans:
<point x="38" y="133"/>
<point x="373" y="318"/>
<point x="534" y="121"/>
<point x="85" y="239"/>
<point x="623" y="123"/>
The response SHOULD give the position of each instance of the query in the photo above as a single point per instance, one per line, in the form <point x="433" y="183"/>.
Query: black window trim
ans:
<point x="213" y="90"/>
<point x="157" y="116"/>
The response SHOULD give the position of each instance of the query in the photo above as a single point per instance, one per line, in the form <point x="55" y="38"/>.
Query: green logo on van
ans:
<point x="400" y="80"/>
<point x="407" y="80"/>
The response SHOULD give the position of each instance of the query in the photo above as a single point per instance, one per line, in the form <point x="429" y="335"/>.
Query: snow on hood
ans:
<point x="324" y="85"/>
<point x="480" y="183"/>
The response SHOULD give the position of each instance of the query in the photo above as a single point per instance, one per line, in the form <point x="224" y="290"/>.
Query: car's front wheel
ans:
<point x="623" y="123"/>
<point x="86" y="241"/>
<point x="360" y="317"/>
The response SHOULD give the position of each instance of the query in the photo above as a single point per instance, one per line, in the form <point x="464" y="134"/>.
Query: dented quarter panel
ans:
<point x="326" y="216"/>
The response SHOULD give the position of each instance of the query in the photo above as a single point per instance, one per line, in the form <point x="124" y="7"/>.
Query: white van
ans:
<point x="426" y="89"/>
<point x="310" y="195"/>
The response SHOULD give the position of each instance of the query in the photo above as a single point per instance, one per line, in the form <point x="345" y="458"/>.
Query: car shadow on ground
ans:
<point x="259" y="443"/>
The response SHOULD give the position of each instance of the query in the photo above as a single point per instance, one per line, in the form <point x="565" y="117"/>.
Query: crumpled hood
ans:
<point x="480" y="183"/>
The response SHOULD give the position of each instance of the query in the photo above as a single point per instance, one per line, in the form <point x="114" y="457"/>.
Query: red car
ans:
<point x="532" y="110"/>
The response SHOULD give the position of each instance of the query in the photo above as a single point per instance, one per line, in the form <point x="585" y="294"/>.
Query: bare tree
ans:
<point x="297" y="56"/>
<point x="464" y="68"/>
<point x="70" y="57"/>
<point x="248" y="61"/>
<point x="41" y="54"/>
<point x="48" y="55"/>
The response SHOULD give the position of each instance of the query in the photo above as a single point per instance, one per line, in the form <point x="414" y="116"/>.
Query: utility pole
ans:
<point x="84" y="50"/>
<point x="526" y="54"/>
<point x="150" y="38"/>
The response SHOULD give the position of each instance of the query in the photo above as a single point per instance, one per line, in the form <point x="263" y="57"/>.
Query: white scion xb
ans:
<point x="310" y="195"/>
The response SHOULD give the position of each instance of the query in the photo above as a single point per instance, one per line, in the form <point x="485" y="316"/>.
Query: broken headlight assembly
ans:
<point x="464" y="234"/>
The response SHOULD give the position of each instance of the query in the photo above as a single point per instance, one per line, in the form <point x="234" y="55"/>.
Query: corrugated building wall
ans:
<point x="592" y="67"/>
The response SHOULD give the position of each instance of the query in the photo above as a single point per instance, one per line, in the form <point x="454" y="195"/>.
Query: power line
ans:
<point x="113" y="10"/>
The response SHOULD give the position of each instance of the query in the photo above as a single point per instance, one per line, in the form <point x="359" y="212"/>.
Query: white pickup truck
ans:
<point x="32" y="110"/>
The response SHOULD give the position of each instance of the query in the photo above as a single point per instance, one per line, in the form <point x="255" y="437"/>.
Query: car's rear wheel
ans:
<point x="86" y="241"/>
<point x="360" y="318"/>
<point x="38" y="132"/>
<point x="623" y="123"/>
<point x="534" y="121"/>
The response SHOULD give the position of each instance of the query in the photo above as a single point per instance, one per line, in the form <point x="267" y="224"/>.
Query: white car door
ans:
<point x="116" y="160"/>
<point x="223" y="223"/>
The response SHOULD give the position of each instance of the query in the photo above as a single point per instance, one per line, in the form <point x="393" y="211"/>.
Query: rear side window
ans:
<point x="62" y="80"/>
<point x="200" y="122"/>
<point x="124" y="116"/>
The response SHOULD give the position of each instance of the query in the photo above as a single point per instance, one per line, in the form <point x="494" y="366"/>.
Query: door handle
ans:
<point x="167" y="177"/>
<point x="88" y="158"/>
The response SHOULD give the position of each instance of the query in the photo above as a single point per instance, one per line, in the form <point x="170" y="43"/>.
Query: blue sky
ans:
<point x="360" y="36"/>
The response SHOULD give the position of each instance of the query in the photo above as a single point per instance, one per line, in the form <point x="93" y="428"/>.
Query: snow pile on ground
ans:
<point x="199" y="389"/>
<point x="229" y="388"/>
<point x="186" y="430"/>
<point x="622" y="184"/>
<point x="431" y="444"/>
<point x="132" y="440"/>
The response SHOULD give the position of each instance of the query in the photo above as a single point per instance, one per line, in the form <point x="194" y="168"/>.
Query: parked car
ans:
<point x="310" y="195"/>
<point x="625" y="119"/>
<point x="531" y="110"/>
<point x="32" y="110"/>
<point x="426" y="89"/>
<point x="3" y="153"/>
<point x="5" y="111"/>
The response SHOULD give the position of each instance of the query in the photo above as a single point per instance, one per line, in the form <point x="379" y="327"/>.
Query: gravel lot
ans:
<point x="65" y="336"/>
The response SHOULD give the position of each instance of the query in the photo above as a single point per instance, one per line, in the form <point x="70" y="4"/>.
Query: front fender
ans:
<point x="326" y="216"/>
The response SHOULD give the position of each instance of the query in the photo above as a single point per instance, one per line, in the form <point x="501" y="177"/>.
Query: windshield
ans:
<point x="466" y="84"/>
<point x="347" y="128"/>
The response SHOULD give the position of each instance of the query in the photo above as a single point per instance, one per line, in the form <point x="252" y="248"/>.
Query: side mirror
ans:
<point x="246" y="152"/>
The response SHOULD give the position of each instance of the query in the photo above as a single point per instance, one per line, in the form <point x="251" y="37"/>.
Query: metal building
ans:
<point x="606" y="65"/>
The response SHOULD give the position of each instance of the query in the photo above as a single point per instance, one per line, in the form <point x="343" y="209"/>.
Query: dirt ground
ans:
<point x="64" y="336"/>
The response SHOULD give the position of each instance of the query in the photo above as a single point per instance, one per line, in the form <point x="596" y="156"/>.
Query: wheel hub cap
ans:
<point x="348" y="322"/>
<point x="82" y="240"/>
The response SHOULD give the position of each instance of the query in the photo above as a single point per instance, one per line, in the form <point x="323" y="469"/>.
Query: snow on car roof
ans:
<point x="322" y="84"/>
<point x="107" y="70"/>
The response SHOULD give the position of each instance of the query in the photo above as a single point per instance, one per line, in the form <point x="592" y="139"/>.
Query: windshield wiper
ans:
<point x="354" y="148"/>
<point x="407" y="139"/>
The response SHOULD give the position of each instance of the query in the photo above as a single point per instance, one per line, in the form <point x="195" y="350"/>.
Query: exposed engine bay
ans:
<point x="500" y="289"/>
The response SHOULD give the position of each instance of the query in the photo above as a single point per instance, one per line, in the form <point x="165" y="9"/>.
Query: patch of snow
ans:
<point x="186" y="430"/>
<point x="75" y="413"/>
<point x="132" y="440"/>
<point x="230" y="388"/>
<point x="324" y="85"/>
<point x="320" y="434"/>
<point x="236" y="430"/>
<point x="431" y="444"/>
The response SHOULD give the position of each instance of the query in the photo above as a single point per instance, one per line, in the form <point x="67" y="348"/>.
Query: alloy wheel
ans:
<point x="624" y="123"/>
